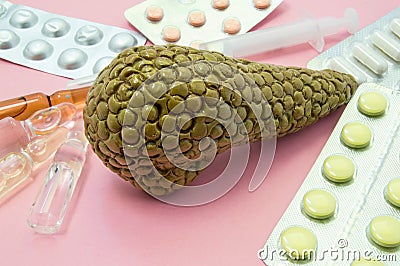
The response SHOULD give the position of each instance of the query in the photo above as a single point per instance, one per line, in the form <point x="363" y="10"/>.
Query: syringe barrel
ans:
<point x="267" y="39"/>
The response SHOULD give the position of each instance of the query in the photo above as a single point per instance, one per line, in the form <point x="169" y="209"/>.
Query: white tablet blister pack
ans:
<point x="58" y="44"/>
<point x="347" y="211"/>
<point x="191" y="22"/>
<point x="370" y="55"/>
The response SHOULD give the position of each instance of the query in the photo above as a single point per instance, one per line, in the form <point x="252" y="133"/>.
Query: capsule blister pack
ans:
<point x="347" y="211"/>
<point x="191" y="22"/>
<point x="57" y="44"/>
<point x="370" y="55"/>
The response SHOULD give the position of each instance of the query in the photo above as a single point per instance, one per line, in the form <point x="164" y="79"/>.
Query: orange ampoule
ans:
<point x="23" y="107"/>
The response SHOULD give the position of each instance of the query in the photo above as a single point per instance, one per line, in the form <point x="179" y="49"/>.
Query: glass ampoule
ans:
<point x="48" y="209"/>
<point x="17" y="134"/>
<point x="16" y="167"/>
<point x="21" y="108"/>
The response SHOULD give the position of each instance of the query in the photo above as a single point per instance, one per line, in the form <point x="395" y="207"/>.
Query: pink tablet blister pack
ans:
<point x="59" y="45"/>
<point x="191" y="22"/>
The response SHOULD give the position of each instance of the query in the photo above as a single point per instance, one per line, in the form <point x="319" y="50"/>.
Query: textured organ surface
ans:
<point x="149" y="89"/>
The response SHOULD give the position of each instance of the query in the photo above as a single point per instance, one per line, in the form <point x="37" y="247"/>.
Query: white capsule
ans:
<point x="101" y="63"/>
<point x="395" y="26"/>
<point x="55" y="27"/>
<point x="38" y="50"/>
<point x="388" y="45"/>
<point x="3" y="10"/>
<point x="88" y="35"/>
<point x="342" y="65"/>
<point x="8" y="39"/>
<point x="369" y="58"/>
<point x="121" y="41"/>
<point x="23" y="19"/>
<point x="72" y="58"/>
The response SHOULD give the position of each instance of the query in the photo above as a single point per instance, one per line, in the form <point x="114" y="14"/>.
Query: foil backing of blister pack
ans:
<point x="343" y="238"/>
<point x="370" y="55"/>
<point x="58" y="44"/>
<point x="153" y="17"/>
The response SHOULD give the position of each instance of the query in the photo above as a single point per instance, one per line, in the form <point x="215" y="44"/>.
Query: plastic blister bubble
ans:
<point x="191" y="22"/>
<point x="370" y="55"/>
<point x="57" y="44"/>
<point x="364" y="183"/>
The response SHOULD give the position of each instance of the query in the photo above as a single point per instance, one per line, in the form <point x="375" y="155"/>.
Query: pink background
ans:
<point x="111" y="223"/>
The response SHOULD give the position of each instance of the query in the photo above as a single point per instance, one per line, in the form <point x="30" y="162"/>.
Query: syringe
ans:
<point x="308" y="30"/>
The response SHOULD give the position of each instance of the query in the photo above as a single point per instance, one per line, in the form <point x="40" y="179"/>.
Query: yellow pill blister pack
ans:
<point x="370" y="55"/>
<point x="347" y="211"/>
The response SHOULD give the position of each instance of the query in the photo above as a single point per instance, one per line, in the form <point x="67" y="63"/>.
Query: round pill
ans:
<point x="171" y="34"/>
<point x="196" y="44"/>
<point x="393" y="192"/>
<point x="38" y="50"/>
<point x="261" y="4"/>
<point x="338" y="168"/>
<point x="8" y="39"/>
<point x="385" y="231"/>
<point x="220" y="4"/>
<point x="23" y="18"/>
<point x="72" y="58"/>
<point x="121" y="41"/>
<point x="367" y="262"/>
<point x="55" y="27"/>
<point x="231" y="25"/>
<point x="298" y="242"/>
<point x="3" y="10"/>
<point x="356" y="135"/>
<point x="372" y="103"/>
<point x="88" y="35"/>
<point x="154" y="13"/>
<point x="197" y="18"/>
<point x="101" y="63"/>
<point x="319" y="204"/>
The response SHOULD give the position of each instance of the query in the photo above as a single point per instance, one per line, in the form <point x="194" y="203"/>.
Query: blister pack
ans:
<point x="191" y="22"/>
<point x="370" y="55"/>
<point x="58" y="44"/>
<point x="347" y="211"/>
